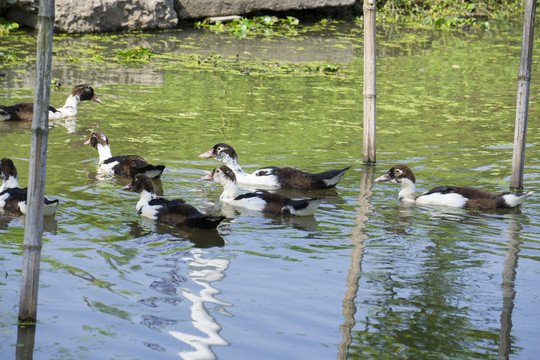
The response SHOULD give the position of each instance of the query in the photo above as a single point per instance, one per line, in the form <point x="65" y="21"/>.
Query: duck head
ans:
<point x="7" y="169"/>
<point x="97" y="138"/>
<point x="222" y="175"/>
<point x="398" y="174"/>
<point x="85" y="92"/>
<point x="221" y="152"/>
<point x="140" y="183"/>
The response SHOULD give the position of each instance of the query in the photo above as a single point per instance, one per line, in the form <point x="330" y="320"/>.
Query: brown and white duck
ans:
<point x="273" y="177"/>
<point x="24" y="111"/>
<point x="13" y="197"/>
<point x="127" y="165"/>
<point x="259" y="200"/>
<point x="171" y="212"/>
<point x="453" y="196"/>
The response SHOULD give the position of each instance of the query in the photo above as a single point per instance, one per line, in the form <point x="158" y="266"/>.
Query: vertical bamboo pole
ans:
<point x="38" y="162"/>
<point x="522" y="106"/>
<point x="370" y="90"/>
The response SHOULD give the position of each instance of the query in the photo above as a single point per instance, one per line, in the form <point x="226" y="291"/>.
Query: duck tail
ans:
<point x="50" y="207"/>
<point x="303" y="207"/>
<point x="204" y="222"/>
<point x="4" y="115"/>
<point x="514" y="199"/>
<point x="152" y="171"/>
<point x="329" y="179"/>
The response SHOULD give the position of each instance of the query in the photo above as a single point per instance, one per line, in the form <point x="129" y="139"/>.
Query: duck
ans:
<point x="273" y="177"/>
<point x="13" y="197"/>
<point x="261" y="200"/>
<point x="172" y="212"/>
<point x="25" y="111"/>
<point x="127" y="165"/>
<point x="452" y="196"/>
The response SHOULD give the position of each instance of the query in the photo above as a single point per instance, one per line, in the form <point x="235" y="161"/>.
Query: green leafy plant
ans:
<point x="7" y="26"/>
<point x="8" y="59"/>
<point x="443" y="14"/>
<point x="138" y="53"/>
<point x="259" y="25"/>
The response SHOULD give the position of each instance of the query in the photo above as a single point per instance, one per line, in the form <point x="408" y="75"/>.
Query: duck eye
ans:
<point x="398" y="172"/>
<point x="218" y="149"/>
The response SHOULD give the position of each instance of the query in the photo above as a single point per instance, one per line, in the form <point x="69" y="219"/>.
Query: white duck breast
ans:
<point x="254" y="202"/>
<point x="453" y="196"/>
<point x="438" y="199"/>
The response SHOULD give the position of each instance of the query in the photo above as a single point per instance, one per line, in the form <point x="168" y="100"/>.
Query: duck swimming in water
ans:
<point x="453" y="196"/>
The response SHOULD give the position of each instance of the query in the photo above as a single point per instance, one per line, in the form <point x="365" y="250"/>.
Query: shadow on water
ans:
<point x="205" y="238"/>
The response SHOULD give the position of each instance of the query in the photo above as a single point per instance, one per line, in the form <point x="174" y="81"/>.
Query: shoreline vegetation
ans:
<point x="442" y="15"/>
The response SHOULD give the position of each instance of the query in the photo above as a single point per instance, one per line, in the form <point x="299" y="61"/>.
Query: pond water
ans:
<point x="365" y="277"/>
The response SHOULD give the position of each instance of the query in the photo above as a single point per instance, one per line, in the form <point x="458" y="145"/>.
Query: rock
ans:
<point x="113" y="15"/>
<point x="79" y="16"/>
<point x="76" y="16"/>
<point x="193" y="9"/>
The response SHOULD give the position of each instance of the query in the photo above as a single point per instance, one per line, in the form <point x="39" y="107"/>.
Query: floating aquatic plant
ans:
<point x="259" y="25"/>
<point x="138" y="53"/>
<point x="7" y="26"/>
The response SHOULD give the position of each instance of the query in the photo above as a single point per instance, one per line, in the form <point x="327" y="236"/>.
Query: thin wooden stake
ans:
<point x="38" y="162"/>
<point x="522" y="106"/>
<point x="370" y="89"/>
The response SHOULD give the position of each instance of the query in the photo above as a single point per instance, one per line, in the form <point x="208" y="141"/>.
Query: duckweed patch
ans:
<point x="259" y="25"/>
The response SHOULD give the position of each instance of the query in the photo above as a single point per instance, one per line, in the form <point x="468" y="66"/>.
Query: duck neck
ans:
<point x="230" y="191"/>
<point x="104" y="152"/>
<point x="408" y="190"/>
<point x="234" y="165"/>
<point x="146" y="197"/>
<point x="10" y="183"/>
<point x="71" y="104"/>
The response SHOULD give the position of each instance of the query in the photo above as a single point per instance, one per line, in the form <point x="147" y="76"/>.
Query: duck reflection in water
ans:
<point x="200" y="238"/>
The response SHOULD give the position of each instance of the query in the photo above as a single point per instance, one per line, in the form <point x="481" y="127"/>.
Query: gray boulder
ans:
<point x="193" y="9"/>
<point x="79" y="16"/>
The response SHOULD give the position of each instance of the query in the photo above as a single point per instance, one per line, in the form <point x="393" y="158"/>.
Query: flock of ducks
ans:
<point x="231" y="176"/>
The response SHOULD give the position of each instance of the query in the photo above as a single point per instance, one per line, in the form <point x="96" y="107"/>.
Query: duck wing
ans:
<point x="178" y="213"/>
<point x="15" y="196"/>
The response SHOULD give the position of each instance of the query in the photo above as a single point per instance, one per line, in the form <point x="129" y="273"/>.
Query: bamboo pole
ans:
<point x="38" y="162"/>
<point x="370" y="89"/>
<point x="522" y="106"/>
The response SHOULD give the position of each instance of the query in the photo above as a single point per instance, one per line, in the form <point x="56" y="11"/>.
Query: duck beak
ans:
<point x="208" y="177"/>
<point x="127" y="187"/>
<point x="87" y="142"/>
<point x="385" y="177"/>
<point x="208" y="154"/>
<point x="95" y="98"/>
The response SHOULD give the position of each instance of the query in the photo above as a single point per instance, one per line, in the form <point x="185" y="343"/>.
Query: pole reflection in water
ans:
<point x="26" y="334"/>
<point x="509" y="293"/>
<point x="353" y="276"/>
<point x="204" y="271"/>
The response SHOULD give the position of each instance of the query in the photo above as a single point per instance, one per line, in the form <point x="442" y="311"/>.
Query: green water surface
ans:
<point x="364" y="278"/>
